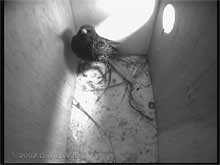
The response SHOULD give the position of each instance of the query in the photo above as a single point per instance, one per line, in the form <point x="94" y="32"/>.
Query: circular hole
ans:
<point x="168" y="18"/>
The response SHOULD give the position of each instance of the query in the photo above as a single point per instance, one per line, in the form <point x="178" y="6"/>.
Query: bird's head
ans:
<point x="87" y="31"/>
<point x="82" y="42"/>
<point x="85" y="36"/>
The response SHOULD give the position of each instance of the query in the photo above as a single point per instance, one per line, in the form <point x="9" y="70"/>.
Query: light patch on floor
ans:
<point x="121" y="133"/>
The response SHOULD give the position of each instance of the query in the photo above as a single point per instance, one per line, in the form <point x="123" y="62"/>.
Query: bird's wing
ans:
<point x="113" y="43"/>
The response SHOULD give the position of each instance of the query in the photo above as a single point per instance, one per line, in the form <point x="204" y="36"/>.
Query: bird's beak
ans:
<point x="84" y="31"/>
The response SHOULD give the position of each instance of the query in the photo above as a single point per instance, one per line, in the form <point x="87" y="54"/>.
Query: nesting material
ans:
<point x="111" y="130"/>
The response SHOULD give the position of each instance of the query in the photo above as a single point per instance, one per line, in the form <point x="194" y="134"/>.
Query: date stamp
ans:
<point x="33" y="155"/>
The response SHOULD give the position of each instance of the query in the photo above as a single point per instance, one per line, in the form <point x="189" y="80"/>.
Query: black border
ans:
<point x="2" y="84"/>
<point x="218" y="4"/>
<point x="2" y="79"/>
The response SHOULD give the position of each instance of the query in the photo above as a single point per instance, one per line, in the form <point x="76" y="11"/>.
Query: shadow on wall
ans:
<point x="70" y="57"/>
<point x="37" y="85"/>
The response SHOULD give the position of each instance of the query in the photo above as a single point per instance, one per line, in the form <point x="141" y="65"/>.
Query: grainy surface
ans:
<point x="39" y="77"/>
<point x="133" y="138"/>
<point x="184" y="77"/>
<point x="38" y="82"/>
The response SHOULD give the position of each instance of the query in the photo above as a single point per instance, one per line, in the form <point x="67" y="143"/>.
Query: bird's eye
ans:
<point x="84" y="31"/>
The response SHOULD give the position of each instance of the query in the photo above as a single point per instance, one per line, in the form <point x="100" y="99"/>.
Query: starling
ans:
<point x="89" y="46"/>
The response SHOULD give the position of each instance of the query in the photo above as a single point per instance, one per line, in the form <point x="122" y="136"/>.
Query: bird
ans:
<point x="90" y="47"/>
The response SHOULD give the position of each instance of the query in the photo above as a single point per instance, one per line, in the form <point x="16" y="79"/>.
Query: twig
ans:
<point x="126" y="89"/>
<point x="121" y="74"/>
<point x="132" y="55"/>
<point x="101" y="131"/>
<point x="109" y="81"/>
<point x="110" y="86"/>
<point x="134" y="105"/>
<point x="140" y="69"/>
